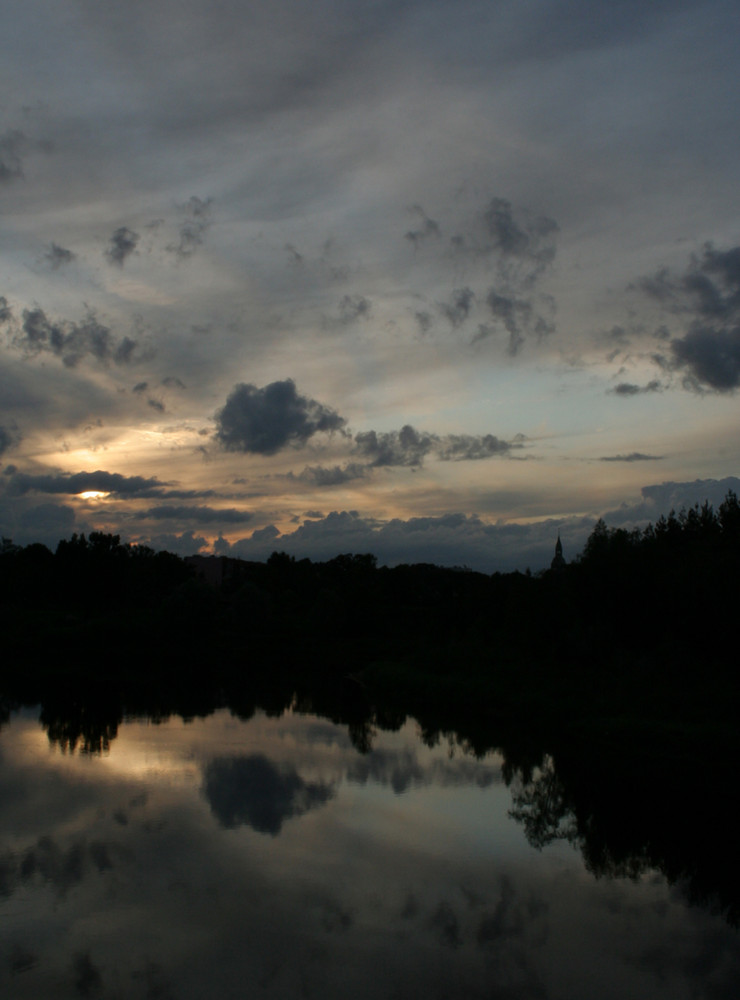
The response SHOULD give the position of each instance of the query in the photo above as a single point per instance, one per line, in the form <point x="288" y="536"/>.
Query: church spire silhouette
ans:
<point x="558" y="561"/>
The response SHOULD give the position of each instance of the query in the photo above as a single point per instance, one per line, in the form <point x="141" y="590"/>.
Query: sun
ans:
<point x="92" y="495"/>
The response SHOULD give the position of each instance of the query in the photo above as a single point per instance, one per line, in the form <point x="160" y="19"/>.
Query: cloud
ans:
<point x="518" y="247"/>
<point x="263" y="421"/>
<point x="197" y="220"/>
<point x="426" y="227"/>
<point x="525" y="245"/>
<point x="711" y="356"/>
<point x="515" y="314"/>
<point x="186" y="544"/>
<point x="252" y="791"/>
<point x="57" y="256"/>
<point x="633" y="456"/>
<point x="87" y="977"/>
<point x="46" y="523"/>
<point x="13" y="145"/>
<point x="406" y="447"/>
<point x="402" y="770"/>
<point x="629" y="389"/>
<point x="62" y="868"/>
<point x="470" y="447"/>
<point x="452" y="539"/>
<point x="72" y="341"/>
<point x="457" y="310"/>
<point x="351" y="309"/>
<point x="9" y="437"/>
<point x="668" y="496"/>
<point x="706" y="299"/>
<point x="82" y="482"/>
<point x="424" y="321"/>
<point x="123" y="243"/>
<point x="201" y="515"/>
<point x="318" y="475"/>
<point x="294" y="256"/>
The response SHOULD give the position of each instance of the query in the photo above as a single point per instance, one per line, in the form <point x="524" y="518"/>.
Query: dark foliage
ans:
<point x="638" y="627"/>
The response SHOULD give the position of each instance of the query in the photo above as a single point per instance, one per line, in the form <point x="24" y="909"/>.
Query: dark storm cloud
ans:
<point x="6" y="313"/>
<point x="123" y="243"/>
<point x="633" y="456"/>
<point x="262" y="421"/>
<point x="318" y="475"/>
<point x="252" y="791"/>
<point x="712" y="357"/>
<point x="630" y="389"/>
<point x="197" y="220"/>
<point x="457" y="310"/>
<point x="57" y="256"/>
<point x="706" y="297"/>
<point x="405" y="447"/>
<point x="72" y="341"/>
<point x="201" y="515"/>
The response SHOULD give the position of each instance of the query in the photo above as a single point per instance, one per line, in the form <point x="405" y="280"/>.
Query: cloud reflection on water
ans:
<point x="365" y="892"/>
<point x="253" y="791"/>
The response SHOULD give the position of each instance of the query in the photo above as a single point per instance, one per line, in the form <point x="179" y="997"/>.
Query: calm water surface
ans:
<point x="221" y="858"/>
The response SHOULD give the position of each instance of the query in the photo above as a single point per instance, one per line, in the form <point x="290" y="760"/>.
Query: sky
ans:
<point x="427" y="279"/>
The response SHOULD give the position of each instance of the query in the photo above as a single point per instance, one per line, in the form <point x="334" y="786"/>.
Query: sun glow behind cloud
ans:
<point x="471" y="245"/>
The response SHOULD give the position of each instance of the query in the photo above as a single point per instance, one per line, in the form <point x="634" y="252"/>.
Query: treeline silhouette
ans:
<point x="609" y="684"/>
<point x="639" y="627"/>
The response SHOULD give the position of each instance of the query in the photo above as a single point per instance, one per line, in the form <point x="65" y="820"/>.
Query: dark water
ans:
<point x="221" y="858"/>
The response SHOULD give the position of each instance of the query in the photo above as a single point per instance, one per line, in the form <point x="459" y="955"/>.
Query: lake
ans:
<point x="284" y="855"/>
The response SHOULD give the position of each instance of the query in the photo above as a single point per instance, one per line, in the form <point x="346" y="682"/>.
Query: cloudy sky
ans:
<point x="424" y="278"/>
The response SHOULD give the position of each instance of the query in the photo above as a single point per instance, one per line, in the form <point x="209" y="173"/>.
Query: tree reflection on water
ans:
<point x="629" y="804"/>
